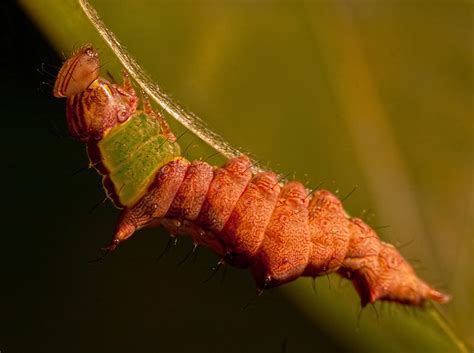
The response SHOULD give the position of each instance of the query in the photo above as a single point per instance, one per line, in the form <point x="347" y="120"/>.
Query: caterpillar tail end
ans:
<point x="415" y="292"/>
<point x="392" y="278"/>
<point x="437" y="296"/>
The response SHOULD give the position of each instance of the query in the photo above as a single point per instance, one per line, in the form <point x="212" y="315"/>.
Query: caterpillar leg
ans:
<point x="158" y="116"/>
<point x="127" y="83"/>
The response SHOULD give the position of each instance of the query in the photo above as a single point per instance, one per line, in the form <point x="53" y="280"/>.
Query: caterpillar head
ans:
<point x="77" y="72"/>
<point x="94" y="105"/>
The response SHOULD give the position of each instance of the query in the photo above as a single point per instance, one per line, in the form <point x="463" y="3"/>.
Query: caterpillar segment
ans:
<point x="279" y="231"/>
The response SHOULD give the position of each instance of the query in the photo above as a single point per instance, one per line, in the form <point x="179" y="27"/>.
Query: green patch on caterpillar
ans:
<point x="132" y="153"/>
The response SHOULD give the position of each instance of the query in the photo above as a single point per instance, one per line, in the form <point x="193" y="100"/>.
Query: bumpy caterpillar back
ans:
<point x="279" y="231"/>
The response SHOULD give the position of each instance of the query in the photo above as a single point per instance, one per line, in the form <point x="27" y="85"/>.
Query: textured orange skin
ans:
<point x="279" y="232"/>
<point x="330" y="233"/>
<point x="218" y="205"/>
<point x="244" y="235"/>
<point x="192" y="192"/>
<point x="284" y="251"/>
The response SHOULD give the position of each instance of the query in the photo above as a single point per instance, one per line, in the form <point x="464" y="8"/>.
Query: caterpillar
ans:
<point x="278" y="230"/>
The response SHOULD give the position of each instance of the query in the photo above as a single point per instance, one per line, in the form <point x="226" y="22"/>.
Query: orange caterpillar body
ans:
<point x="279" y="231"/>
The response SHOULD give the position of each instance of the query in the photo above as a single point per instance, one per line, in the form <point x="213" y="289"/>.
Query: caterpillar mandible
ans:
<point x="280" y="231"/>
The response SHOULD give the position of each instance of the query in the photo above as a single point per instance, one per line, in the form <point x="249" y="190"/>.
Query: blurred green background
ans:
<point x="366" y="93"/>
